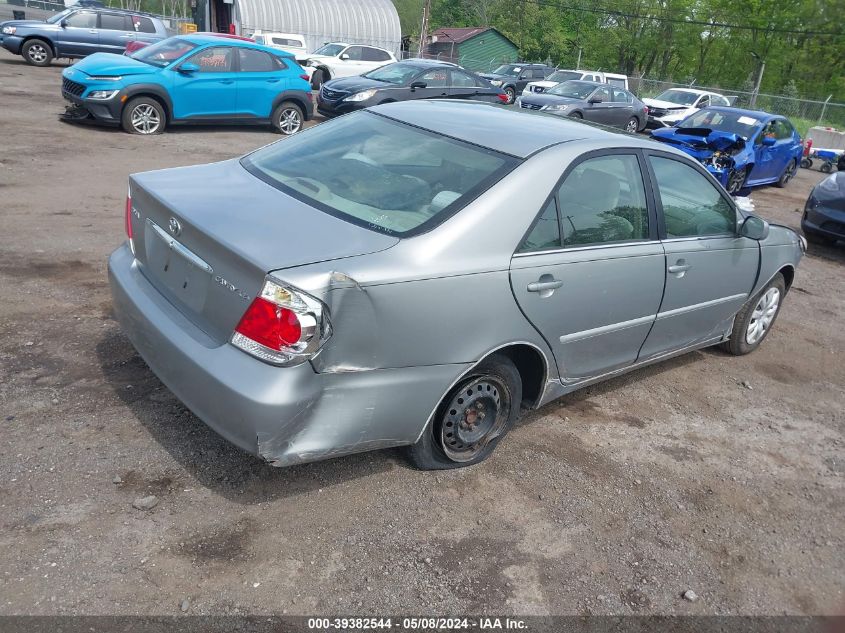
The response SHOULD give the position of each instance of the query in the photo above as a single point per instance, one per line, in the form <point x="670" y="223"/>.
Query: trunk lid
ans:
<point x="206" y="236"/>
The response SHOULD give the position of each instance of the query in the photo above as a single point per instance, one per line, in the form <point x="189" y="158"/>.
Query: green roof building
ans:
<point x="478" y="48"/>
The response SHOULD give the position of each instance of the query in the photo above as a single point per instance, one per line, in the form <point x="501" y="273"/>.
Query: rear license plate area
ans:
<point x="184" y="274"/>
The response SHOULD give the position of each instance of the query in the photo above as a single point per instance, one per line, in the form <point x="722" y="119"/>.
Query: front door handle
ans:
<point x="680" y="267"/>
<point x="542" y="286"/>
<point x="227" y="81"/>
<point x="272" y="81"/>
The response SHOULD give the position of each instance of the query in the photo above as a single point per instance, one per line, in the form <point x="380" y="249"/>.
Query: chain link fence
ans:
<point x="477" y="65"/>
<point x="804" y="113"/>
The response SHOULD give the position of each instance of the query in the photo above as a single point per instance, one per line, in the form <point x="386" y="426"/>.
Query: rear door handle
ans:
<point x="272" y="81"/>
<point x="540" y="286"/>
<point x="227" y="81"/>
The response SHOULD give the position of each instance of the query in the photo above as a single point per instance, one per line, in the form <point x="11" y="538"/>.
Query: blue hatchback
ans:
<point x="200" y="78"/>
<point x="741" y="148"/>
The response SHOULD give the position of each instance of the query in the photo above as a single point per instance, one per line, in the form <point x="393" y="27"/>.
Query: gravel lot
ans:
<point x="617" y="499"/>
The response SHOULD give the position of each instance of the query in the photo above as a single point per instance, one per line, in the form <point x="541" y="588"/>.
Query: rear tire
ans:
<point x="288" y="118"/>
<point x="37" y="52"/>
<point x="788" y="172"/>
<point x="143" y="115"/>
<point x="576" y="115"/>
<point x="826" y="168"/>
<point x="472" y="419"/>
<point x="753" y="323"/>
<point x="633" y="125"/>
<point x="318" y="78"/>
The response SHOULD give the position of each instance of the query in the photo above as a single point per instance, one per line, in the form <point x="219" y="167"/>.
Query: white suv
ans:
<point x="336" y="59"/>
<point x="676" y="104"/>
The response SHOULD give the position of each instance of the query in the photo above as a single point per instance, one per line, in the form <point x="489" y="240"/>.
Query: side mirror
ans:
<point x="345" y="56"/>
<point x="63" y="23"/>
<point x="595" y="100"/>
<point x="418" y="84"/>
<point x="754" y="228"/>
<point x="188" y="68"/>
<point x="768" y="141"/>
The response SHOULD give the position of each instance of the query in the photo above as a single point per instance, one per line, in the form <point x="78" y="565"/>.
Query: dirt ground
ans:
<point x="616" y="500"/>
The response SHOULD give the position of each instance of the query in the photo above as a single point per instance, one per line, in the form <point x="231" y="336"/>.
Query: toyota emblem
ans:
<point x="175" y="227"/>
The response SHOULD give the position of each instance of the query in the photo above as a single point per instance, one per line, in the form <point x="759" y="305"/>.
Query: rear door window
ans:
<point x="253" y="61"/>
<point x="374" y="55"/>
<point x="114" y="22"/>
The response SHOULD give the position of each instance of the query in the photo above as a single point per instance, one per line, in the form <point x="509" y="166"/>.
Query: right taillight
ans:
<point x="128" y="221"/>
<point x="282" y="326"/>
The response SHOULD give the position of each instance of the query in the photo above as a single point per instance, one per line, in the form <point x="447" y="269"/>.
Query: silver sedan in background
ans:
<point x="411" y="275"/>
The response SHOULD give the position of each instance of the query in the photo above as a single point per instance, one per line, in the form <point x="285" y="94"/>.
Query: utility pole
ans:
<point x="426" y="16"/>
<point x="759" y="79"/>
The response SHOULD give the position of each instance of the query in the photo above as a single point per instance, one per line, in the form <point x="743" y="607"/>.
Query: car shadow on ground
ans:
<point x="212" y="461"/>
<point x="831" y="252"/>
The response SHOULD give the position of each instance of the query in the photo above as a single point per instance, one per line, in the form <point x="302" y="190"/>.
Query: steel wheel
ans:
<point x="632" y="126"/>
<point x="762" y="316"/>
<point x="475" y="416"/>
<point x="37" y="53"/>
<point x="145" y="119"/>
<point x="290" y="121"/>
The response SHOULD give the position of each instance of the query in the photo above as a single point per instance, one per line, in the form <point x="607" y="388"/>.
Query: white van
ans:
<point x="289" y="42"/>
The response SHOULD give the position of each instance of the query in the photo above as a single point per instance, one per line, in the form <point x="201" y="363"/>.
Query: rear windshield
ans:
<point x="379" y="173"/>
<point x="680" y="97"/>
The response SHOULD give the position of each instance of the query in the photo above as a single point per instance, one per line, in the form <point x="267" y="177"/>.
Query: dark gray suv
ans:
<point x="512" y="78"/>
<point x="78" y="32"/>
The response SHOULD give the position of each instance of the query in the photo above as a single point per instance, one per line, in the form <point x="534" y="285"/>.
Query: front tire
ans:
<point x="472" y="419"/>
<point x="736" y="180"/>
<point x="37" y="53"/>
<point x="788" y="173"/>
<point x="288" y="118"/>
<point x="754" y="322"/>
<point x="143" y="115"/>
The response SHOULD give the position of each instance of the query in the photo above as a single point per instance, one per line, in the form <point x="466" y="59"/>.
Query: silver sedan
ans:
<point x="411" y="275"/>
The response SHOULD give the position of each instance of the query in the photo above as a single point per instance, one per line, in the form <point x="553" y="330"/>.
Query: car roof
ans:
<point x="694" y="91"/>
<point x="422" y="61"/>
<point x="754" y="114"/>
<point x="496" y="127"/>
<point x="214" y="38"/>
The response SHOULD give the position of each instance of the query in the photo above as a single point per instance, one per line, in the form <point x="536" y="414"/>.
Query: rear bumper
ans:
<point x="285" y="415"/>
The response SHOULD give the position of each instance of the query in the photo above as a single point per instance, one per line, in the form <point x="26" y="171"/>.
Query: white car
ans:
<point x="535" y="87"/>
<point x="288" y="42"/>
<point x="336" y="59"/>
<point x="672" y="106"/>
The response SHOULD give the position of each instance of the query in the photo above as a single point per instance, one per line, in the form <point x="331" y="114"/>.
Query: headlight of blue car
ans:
<point x="102" y="95"/>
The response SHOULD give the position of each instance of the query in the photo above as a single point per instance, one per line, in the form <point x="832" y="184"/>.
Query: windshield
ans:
<point x="572" y="89"/>
<point x="732" y="122"/>
<point x="564" y="75"/>
<point x="378" y="173"/>
<point x="53" y="19"/>
<point x="329" y="49"/>
<point x="397" y="74"/>
<point x="680" y="97"/>
<point x="509" y="70"/>
<point x="164" y="52"/>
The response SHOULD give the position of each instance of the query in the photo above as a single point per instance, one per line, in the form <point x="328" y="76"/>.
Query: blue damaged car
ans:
<point x="741" y="148"/>
<point x="199" y="78"/>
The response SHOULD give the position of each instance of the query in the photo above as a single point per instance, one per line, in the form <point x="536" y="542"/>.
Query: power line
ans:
<point x="711" y="24"/>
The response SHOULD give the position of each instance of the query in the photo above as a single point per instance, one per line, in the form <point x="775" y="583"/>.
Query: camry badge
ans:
<point x="175" y="227"/>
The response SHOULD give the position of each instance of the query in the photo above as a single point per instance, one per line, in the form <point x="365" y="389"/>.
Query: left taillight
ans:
<point x="283" y="326"/>
<point x="502" y="97"/>
<point x="128" y="221"/>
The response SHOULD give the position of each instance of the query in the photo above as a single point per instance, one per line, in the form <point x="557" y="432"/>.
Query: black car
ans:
<point x="512" y="78"/>
<point x="590" y="100"/>
<point x="824" y="213"/>
<point x="402" y="81"/>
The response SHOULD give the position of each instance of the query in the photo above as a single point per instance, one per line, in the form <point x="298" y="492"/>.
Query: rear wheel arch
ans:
<point x="292" y="95"/>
